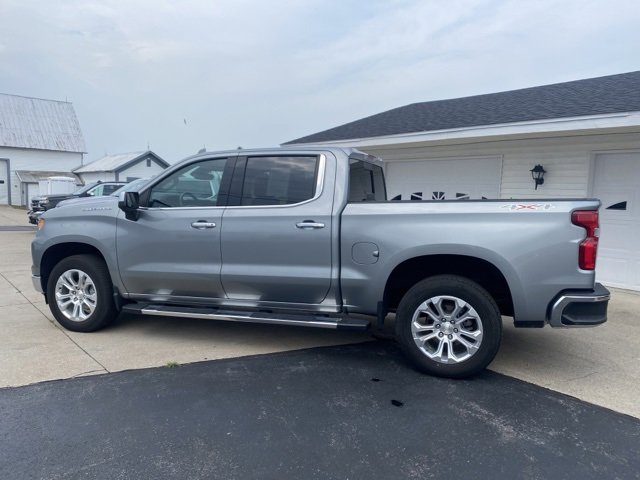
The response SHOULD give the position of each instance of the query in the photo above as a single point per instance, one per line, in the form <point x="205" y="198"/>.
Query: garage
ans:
<point x="444" y="179"/>
<point x="582" y="136"/>
<point x="616" y="182"/>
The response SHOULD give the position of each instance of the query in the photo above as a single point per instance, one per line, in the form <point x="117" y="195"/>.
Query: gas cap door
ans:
<point x="365" y="253"/>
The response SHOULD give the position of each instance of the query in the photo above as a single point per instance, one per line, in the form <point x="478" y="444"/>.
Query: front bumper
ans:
<point x="579" y="308"/>
<point x="34" y="216"/>
<point x="37" y="283"/>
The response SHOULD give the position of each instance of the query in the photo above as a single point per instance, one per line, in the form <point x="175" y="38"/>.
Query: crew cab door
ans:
<point x="172" y="251"/>
<point x="277" y="235"/>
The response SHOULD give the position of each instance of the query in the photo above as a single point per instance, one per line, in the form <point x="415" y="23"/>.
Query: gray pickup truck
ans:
<point x="306" y="236"/>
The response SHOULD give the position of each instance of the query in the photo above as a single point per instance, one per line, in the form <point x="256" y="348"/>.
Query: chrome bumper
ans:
<point x="37" y="284"/>
<point x="580" y="309"/>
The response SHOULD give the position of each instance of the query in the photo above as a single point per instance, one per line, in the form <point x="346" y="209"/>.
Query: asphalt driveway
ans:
<point x="339" y="412"/>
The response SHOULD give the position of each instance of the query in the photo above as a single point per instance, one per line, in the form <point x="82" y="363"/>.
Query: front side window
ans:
<point x="196" y="185"/>
<point x="279" y="180"/>
<point x="366" y="182"/>
<point x="96" y="191"/>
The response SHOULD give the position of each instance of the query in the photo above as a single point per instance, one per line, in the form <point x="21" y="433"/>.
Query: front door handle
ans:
<point x="309" y="224"/>
<point x="202" y="224"/>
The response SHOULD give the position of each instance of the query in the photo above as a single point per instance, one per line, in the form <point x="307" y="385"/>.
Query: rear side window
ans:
<point x="279" y="180"/>
<point x="366" y="182"/>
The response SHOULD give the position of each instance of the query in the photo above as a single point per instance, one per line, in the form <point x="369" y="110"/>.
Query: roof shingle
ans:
<point x="111" y="163"/>
<point x="593" y="96"/>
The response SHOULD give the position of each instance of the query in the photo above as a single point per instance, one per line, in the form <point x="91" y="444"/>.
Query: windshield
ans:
<point x="133" y="186"/>
<point x="84" y="189"/>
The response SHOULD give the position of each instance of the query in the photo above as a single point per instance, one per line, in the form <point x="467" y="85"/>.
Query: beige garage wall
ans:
<point x="567" y="159"/>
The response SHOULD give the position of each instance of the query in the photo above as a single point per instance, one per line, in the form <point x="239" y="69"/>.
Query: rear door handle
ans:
<point x="309" y="224"/>
<point x="202" y="224"/>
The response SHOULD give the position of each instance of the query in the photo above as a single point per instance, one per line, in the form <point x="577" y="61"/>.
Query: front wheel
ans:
<point x="449" y="326"/>
<point x="80" y="293"/>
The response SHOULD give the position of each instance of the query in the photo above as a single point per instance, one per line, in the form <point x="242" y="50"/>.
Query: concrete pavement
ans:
<point x="599" y="365"/>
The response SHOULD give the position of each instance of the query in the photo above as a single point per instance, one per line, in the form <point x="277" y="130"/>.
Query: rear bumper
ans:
<point x="579" y="308"/>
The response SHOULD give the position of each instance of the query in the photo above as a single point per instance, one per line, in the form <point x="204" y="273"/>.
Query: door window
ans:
<point x="196" y="185"/>
<point x="96" y="191"/>
<point x="279" y="180"/>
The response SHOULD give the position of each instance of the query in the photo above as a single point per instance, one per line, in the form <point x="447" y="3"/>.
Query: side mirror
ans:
<point x="129" y="204"/>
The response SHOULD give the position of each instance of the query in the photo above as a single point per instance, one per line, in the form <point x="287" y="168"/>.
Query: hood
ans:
<point x="104" y="201"/>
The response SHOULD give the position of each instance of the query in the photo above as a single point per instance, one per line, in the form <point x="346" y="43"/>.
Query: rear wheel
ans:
<point x="80" y="293"/>
<point x="449" y="326"/>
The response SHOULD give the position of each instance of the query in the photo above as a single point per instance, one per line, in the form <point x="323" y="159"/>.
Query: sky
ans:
<point x="181" y="75"/>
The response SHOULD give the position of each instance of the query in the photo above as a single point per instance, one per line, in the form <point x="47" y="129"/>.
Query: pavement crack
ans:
<point x="581" y="377"/>
<point x="80" y="347"/>
<point x="55" y="324"/>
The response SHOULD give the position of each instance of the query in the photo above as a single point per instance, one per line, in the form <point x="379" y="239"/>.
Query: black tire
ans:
<point x="96" y="269"/>
<point x="471" y="293"/>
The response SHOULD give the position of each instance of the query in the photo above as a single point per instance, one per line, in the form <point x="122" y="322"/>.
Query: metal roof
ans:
<point x="40" y="124"/>
<point x="593" y="96"/>
<point x="112" y="163"/>
<point x="34" y="176"/>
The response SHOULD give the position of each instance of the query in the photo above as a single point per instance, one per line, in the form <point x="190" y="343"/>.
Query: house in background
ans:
<point x="122" y="167"/>
<point x="585" y="134"/>
<point x="38" y="138"/>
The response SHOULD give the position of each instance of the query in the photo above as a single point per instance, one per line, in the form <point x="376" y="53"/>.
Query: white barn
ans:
<point x="38" y="138"/>
<point x="122" y="167"/>
<point x="585" y="134"/>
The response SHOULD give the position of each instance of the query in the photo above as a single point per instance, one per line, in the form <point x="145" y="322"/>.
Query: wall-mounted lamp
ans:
<point x="537" y="173"/>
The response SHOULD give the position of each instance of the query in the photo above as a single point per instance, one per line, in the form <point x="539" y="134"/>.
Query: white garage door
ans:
<point x="4" y="183"/>
<point x="617" y="183"/>
<point x="33" y="190"/>
<point x="445" y="179"/>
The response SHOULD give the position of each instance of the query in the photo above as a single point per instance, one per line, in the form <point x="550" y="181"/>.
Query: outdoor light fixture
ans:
<point x="537" y="173"/>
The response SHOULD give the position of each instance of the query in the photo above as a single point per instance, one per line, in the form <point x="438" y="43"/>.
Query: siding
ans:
<point x="567" y="160"/>
<point x="44" y="160"/>
<point x="140" y="170"/>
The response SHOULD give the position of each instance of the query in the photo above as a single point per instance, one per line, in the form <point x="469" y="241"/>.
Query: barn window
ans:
<point x="437" y="196"/>
<point x="148" y="162"/>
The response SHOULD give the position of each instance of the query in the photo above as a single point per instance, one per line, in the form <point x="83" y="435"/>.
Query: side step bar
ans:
<point x="317" y="321"/>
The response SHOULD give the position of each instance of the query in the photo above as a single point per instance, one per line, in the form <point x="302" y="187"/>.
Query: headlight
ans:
<point x="44" y="201"/>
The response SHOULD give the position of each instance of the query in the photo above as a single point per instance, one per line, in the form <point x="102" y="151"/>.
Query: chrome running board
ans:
<point x="245" y="316"/>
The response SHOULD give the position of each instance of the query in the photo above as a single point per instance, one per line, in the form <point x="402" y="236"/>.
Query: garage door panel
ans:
<point x="4" y="183"/>
<point x="617" y="185"/>
<point x="451" y="179"/>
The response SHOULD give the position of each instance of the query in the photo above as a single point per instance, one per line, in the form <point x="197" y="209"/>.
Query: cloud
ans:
<point x="259" y="73"/>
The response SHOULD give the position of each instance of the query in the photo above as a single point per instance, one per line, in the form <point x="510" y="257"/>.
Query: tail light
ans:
<point x="587" y="219"/>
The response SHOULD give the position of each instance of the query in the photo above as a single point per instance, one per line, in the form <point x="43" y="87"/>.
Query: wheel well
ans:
<point x="54" y="254"/>
<point x="484" y="273"/>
